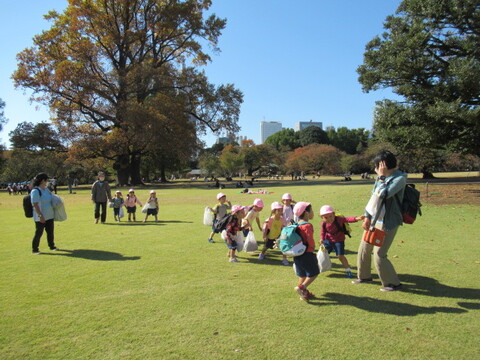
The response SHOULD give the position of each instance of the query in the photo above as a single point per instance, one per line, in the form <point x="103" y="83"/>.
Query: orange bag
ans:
<point x="374" y="236"/>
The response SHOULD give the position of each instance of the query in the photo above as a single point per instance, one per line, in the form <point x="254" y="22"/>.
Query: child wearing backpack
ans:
<point x="232" y="229"/>
<point x="252" y="215"/>
<point x="306" y="265"/>
<point x="332" y="234"/>
<point x="288" y="204"/>
<point x="130" y="202"/>
<point x="272" y="227"/>
<point x="117" y="202"/>
<point x="220" y="210"/>
<point x="152" y="203"/>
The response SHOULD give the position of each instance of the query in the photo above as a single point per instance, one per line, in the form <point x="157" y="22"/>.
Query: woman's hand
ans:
<point x="382" y="169"/>
<point x="366" y="224"/>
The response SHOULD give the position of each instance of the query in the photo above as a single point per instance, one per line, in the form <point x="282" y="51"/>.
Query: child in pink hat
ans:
<point x="220" y="210"/>
<point x="288" y="204"/>
<point x="233" y="230"/>
<point x="332" y="235"/>
<point x="131" y="203"/>
<point x="306" y="265"/>
<point x="252" y="216"/>
<point x="272" y="227"/>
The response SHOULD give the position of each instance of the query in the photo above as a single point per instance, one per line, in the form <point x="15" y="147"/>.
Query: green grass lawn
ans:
<point x="161" y="291"/>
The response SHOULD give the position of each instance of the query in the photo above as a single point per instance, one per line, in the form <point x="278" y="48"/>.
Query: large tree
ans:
<point x="106" y="68"/>
<point x="40" y="136"/>
<point x="429" y="56"/>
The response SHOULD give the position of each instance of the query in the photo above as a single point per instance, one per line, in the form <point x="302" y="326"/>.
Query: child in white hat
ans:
<point x="272" y="227"/>
<point x="220" y="210"/>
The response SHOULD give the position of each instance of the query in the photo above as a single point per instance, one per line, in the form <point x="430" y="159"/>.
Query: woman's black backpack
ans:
<point x="27" y="205"/>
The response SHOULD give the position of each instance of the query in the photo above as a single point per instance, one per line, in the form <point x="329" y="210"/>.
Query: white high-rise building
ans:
<point x="304" y="124"/>
<point x="268" y="128"/>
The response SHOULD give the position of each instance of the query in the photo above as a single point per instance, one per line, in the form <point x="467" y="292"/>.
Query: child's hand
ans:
<point x="360" y="218"/>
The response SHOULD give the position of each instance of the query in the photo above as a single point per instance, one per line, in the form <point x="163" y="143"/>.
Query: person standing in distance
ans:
<point x="100" y="195"/>
<point x="42" y="213"/>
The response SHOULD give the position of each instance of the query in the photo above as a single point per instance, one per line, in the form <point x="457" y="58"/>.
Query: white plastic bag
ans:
<point x="250" y="244"/>
<point x="145" y="208"/>
<point x="208" y="216"/>
<point x="238" y="238"/>
<point x="121" y="214"/>
<point x="59" y="213"/>
<point x="323" y="258"/>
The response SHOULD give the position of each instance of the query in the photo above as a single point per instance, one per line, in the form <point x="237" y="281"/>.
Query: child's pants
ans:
<point x="385" y="269"/>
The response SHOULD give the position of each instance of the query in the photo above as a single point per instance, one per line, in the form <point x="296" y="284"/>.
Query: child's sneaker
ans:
<point x="233" y="260"/>
<point x="210" y="240"/>
<point x="349" y="274"/>
<point x="261" y="256"/>
<point x="302" y="291"/>
<point x="285" y="262"/>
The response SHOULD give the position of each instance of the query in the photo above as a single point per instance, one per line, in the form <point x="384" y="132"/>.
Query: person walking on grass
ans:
<point x="43" y="213"/>
<point x="288" y="204"/>
<point x="131" y="203"/>
<point x="332" y="235"/>
<point x="386" y="199"/>
<point x="272" y="227"/>
<point x="306" y="265"/>
<point x="152" y="208"/>
<point x="252" y="215"/>
<point x="220" y="210"/>
<point x="100" y="195"/>
<point x="117" y="205"/>
<point x="232" y="230"/>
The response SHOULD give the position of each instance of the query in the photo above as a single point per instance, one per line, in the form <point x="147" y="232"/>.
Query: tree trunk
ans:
<point x="163" y="178"/>
<point x="135" y="176"/>
<point x="122" y="167"/>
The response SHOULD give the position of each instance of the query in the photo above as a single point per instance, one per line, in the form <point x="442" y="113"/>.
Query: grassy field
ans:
<point x="161" y="291"/>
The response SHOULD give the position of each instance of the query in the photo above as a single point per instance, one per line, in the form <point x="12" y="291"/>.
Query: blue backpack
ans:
<point x="290" y="242"/>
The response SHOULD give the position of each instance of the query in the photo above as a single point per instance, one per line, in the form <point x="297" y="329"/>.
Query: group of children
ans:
<point x="332" y="234"/>
<point x="130" y="204"/>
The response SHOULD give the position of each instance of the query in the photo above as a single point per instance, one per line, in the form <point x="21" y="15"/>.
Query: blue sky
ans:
<point x="293" y="60"/>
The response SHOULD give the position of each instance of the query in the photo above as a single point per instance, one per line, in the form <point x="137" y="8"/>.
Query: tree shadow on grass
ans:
<point x="382" y="306"/>
<point x="98" y="255"/>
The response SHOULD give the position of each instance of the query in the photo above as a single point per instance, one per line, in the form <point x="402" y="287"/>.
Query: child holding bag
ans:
<point x="306" y="265"/>
<point x="232" y="230"/>
<point x="332" y="235"/>
<point x="220" y="210"/>
<point x="117" y="203"/>
<point x="272" y="227"/>
<point x="152" y="206"/>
